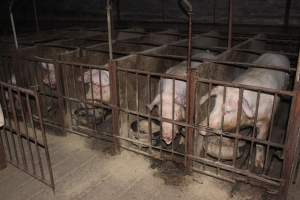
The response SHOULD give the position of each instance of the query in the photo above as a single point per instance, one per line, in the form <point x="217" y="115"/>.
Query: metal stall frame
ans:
<point x="25" y="150"/>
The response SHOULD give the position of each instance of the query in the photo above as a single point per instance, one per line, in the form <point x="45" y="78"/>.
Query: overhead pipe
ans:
<point x="12" y="21"/>
<point x="109" y="30"/>
<point x="230" y="18"/>
<point x="37" y="26"/>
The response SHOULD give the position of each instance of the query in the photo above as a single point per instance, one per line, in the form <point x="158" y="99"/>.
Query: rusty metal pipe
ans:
<point x="12" y="21"/>
<point x="230" y="19"/>
<point x="37" y="26"/>
<point x="109" y="29"/>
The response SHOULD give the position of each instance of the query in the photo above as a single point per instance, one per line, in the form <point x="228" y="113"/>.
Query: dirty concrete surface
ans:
<point x="85" y="169"/>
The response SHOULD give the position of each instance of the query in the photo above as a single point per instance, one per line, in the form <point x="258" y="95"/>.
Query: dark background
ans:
<point x="72" y="12"/>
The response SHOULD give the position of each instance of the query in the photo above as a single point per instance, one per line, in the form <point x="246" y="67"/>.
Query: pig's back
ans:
<point x="265" y="77"/>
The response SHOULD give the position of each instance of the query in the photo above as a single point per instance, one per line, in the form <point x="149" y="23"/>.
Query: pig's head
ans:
<point x="165" y="108"/>
<point x="49" y="78"/>
<point x="229" y="108"/>
<point x="99" y="80"/>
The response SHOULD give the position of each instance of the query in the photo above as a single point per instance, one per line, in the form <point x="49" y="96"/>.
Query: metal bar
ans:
<point x="287" y="13"/>
<point x="44" y="138"/>
<point x="37" y="149"/>
<point x="297" y="76"/>
<point x="37" y="26"/>
<point x="230" y="19"/>
<point x="26" y="132"/>
<point x="13" y="29"/>
<point x="291" y="144"/>
<point x="189" y="146"/>
<point x="2" y="153"/>
<point x="60" y="92"/>
<point x="109" y="28"/>
<point x="115" y="104"/>
<point x="13" y="102"/>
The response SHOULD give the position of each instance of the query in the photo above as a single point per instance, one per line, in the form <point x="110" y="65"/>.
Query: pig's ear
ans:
<point x="247" y="108"/>
<point x="213" y="92"/>
<point x="154" y="102"/>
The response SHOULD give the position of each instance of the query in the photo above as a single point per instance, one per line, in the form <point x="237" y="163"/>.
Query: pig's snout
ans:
<point x="168" y="139"/>
<point x="167" y="132"/>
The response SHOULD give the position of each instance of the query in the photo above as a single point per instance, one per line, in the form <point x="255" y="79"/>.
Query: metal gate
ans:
<point x="23" y="135"/>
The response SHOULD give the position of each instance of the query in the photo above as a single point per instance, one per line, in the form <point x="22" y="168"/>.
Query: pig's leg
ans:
<point x="260" y="149"/>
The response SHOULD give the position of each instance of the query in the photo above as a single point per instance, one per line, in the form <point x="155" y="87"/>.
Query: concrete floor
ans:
<point x="83" y="169"/>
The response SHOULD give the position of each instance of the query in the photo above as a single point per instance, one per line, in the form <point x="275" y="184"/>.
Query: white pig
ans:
<point x="254" y="77"/>
<point x="49" y="78"/>
<point x="165" y="100"/>
<point x="98" y="91"/>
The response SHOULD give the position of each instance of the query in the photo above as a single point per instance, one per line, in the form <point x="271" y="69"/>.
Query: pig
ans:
<point x="164" y="98"/>
<point x="99" y="91"/>
<point x="254" y="77"/>
<point x="49" y="78"/>
<point x="96" y="91"/>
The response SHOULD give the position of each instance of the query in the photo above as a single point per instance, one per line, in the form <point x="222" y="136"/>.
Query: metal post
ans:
<point x="109" y="31"/>
<point x="190" y="91"/>
<point x="287" y="13"/>
<point x="35" y="16"/>
<point x="292" y="150"/>
<point x="113" y="83"/>
<point x="13" y="28"/>
<point x="230" y="18"/>
<point x="60" y="92"/>
<point x="2" y="154"/>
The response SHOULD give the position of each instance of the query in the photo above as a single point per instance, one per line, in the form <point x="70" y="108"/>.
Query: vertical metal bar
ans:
<point x="230" y="19"/>
<point x="40" y="117"/>
<point x="5" y="120"/>
<point x="37" y="26"/>
<point x="270" y="132"/>
<point x="287" y="13"/>
<point x="291" y="144"/>
<point x="249" y="163"/>
<point x="35" y="136"/>
<point x="60" y="93"/>
<point x="93" y="98"/>
<point x="17" y="126"/>
<point x="297" y="76"/>
<point x="191" y="83"/>
<point x="149" y="112"/>
<point x="27" y="134"/>
<point x="115" y="104"/>
<point x="109" y="29"/>
<point x="2" y="153"/>
<point x="173" y="112"/>
<point x="13" y="29"/>
<point x="8" y="119"/>
<point x="222" y="127"/>
<point x="237" y="132"/>
<point x="137" y="103"/>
